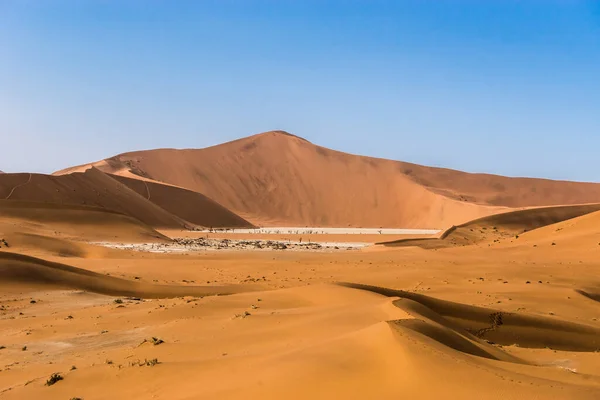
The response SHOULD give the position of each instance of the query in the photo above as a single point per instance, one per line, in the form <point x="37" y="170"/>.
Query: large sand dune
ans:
<point x="91" y="188"/>
<point x="276" y="178"/>
<point x="151" y="203"/>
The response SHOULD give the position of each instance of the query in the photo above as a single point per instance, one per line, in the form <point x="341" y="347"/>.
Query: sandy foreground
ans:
<point x="502" y="321"/>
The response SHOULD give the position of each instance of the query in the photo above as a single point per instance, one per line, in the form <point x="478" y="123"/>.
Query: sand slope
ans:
<point x="475" y="323"/>
<point x="310" y="342"/>
<point x="92" y="188"/>
<point x="167" y="207"/>
<point x="38" y="273"/>
<point x="501" y="190"/>
<point x="191" y="206"/>
<point x="574" y="233"/>
<point x="34" y="225"/>
<point x="499" y="227"/>
<point x="276" y="178"/>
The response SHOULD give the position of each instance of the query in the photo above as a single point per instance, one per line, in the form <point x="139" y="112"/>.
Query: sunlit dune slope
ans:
<point x="578" y="233"/>
<point x="60" y="221"/>
<point x="277" y="178"/>
<point x="502" y="226"/>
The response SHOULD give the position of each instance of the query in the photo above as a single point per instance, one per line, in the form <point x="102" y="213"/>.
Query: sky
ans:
<point x="507" y="87"/>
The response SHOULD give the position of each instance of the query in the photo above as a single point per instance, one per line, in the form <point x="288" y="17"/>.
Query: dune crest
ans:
<point x="276" y="178"/>
<point x="477" y="323"/>
<point x="499" y="227"/>
<point x="42" y="274"/>
<point x="157" y="205"/>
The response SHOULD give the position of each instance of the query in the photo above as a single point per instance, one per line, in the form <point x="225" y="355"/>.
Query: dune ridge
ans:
<point x="191" y="206"/>
<point x="276" y="178"/>
<point x="31" y="271"/>
<point x="79" y="222"/>
<point x="577" y="233"/>
<point x="184" y="209"/>
<point x="92" y="188"/>
<point x="504" y="328"/>
<point x="501" y="226"/>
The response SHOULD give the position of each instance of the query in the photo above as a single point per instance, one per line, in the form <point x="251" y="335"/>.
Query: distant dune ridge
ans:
<point x="276" y="178"/>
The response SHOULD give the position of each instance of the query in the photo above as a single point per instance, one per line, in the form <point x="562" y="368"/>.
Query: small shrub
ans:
<point x="24" y="348"/>
<point x="118" y="301"/>
<point x="73" y="368"/>
<point x="55" y="377"/>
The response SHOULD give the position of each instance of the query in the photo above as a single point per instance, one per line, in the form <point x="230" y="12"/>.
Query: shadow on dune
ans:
<point x="466" y="326"/>
<point x="498" y="226"/>
<point x="36" y="272"/>
<point x="590" y="294"/>
<point x="60" y="247"/>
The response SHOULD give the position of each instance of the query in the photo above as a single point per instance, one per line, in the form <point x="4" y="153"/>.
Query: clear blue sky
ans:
<point x="508" y="87"/>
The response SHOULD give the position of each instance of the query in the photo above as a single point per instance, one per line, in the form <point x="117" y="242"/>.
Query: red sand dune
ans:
<point x="91" y="188"/>
<point x="171" y="207"/>
<point x="276" y="178"/>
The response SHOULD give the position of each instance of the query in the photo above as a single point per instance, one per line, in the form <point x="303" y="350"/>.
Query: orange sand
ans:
<point x="505" y="306"/>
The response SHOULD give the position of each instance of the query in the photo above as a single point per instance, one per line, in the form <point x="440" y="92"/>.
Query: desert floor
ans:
<point x="517" y="319"/>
